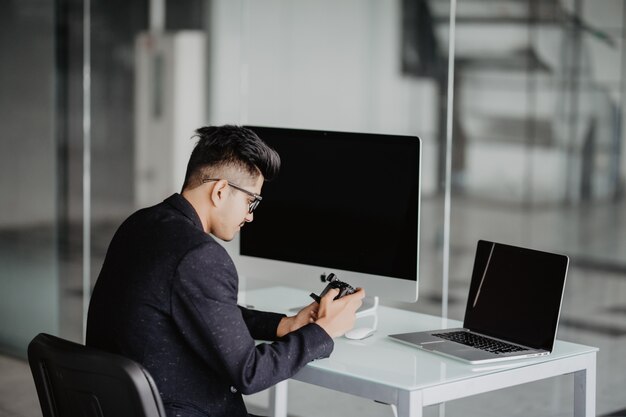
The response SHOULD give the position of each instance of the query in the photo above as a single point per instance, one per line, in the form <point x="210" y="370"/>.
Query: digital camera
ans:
<point x="334" y="282"/>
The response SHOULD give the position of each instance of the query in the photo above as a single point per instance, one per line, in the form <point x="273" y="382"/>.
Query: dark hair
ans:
<point x="228" y="145"/>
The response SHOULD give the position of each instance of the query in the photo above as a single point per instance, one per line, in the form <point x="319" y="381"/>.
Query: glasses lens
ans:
<point x="254" y="205"/>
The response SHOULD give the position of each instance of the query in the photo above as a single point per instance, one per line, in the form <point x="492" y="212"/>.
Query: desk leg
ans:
<point x="585" y="390"/>
<point x="410" y="404"/>
<point x="278" y="400"/>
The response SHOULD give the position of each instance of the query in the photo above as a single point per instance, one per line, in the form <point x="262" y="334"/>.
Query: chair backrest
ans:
<point x="74" y="380"/>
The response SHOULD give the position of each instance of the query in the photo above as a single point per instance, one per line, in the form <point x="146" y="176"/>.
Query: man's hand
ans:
<point x="305" y="316"/>
<point x="336" y="317"/>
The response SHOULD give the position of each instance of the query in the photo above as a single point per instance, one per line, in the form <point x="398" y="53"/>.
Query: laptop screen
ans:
<point x="515" y="294"/>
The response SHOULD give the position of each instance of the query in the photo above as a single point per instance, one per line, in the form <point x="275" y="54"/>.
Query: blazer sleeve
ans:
<point x="204" y="307"/>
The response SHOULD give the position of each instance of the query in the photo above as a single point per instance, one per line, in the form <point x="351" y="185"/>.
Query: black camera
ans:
<point x="333" y="282"/>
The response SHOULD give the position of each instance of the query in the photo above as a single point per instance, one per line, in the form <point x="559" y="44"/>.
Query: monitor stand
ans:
<point x="369" y="306"/>
<point x="368" y="309"/>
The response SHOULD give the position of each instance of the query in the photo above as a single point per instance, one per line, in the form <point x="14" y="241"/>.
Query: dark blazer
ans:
<point x="167" y="298"/>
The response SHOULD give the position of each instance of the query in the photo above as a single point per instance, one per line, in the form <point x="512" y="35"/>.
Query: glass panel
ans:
<point x="29" y="290"/>
<point x="538" y="161"/>
<point x="348" y="66"/>
<point x="114" y="28"/>
<point x="121" y="114"/>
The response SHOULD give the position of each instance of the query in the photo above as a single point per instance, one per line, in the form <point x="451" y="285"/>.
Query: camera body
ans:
<point x="334" y="282"/>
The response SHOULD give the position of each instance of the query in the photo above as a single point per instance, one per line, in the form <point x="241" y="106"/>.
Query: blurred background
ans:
<point x="99" y="101"/>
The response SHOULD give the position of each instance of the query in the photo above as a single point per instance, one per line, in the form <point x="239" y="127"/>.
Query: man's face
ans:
<point x="235" y="212"/>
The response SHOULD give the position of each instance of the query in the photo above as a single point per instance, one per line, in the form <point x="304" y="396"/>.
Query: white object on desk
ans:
<point x="360" y="333"/>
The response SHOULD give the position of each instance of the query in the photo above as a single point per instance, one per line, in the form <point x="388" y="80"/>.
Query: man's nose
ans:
<point x="249" y="217"/>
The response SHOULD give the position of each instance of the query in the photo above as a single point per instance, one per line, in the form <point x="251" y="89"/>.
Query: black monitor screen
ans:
<point x="342" y="200"/>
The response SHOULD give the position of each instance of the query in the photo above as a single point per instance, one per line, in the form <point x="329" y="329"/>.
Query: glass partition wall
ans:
<point x="30" y="284"/>
<point x="67" y="75"/>
<point x="538" y="152"/>
<point x="346" y="66"/>
<point x="534" y="121"/>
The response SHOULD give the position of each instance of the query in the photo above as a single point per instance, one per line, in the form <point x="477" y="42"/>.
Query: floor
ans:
<point x="593" y="313"/>
<point x="18" y="397"/>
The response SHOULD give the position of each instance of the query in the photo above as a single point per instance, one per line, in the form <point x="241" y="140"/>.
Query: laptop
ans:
<point x="512" y="309"/>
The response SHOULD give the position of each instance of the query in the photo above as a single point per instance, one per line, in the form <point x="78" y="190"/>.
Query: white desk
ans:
<point x="381" y="369"/>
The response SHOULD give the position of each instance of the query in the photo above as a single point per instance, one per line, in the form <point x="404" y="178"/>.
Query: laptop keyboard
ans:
<point x="479" y="342"/>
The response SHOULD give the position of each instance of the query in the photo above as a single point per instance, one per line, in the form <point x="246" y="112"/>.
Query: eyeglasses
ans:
<point x="253" y="204"/>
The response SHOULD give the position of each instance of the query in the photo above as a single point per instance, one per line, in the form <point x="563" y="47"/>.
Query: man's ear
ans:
<point x="218" y="194"/>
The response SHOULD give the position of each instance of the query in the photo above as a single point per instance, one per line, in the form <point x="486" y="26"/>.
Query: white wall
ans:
<point x="319" y="65"/>
<point x="169" y="107"/>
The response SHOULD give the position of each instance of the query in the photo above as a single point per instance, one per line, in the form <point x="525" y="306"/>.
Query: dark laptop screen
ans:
<point x="516" y="294"/>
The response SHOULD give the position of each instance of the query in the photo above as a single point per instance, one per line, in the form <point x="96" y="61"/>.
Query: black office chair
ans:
<point x="73" y="380"/>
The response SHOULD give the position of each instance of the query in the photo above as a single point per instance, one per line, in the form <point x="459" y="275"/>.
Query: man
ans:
<point x="167" y="293"/>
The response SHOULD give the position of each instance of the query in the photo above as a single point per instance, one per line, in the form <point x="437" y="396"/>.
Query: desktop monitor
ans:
<point x="346" y="203"/>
